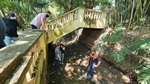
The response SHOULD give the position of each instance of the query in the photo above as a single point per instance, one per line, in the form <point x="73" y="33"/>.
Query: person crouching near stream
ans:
<point x="94" y="61"/>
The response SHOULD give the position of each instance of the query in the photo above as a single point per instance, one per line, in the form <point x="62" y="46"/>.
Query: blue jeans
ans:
<point x="8" y="39"/>
<point x="90" y="70"/>
<point x="62" y="58"/>
<point x="57" y="65"/>
<point x="33" y="27"/>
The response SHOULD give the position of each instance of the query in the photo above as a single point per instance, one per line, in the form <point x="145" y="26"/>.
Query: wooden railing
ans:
<point x="24" y="62"/>
<point x="80" y="15"/>
<point x="63" y="19"/>
<point x="92" y="14"/>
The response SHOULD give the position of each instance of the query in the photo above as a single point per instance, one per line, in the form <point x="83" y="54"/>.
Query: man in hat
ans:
<point x="11" y="23"/>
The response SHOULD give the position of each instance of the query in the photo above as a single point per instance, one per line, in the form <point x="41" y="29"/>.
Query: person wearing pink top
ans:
<point x="40" y="20"/>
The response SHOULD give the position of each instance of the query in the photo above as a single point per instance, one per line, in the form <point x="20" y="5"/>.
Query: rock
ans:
<point x="126" y="79"/>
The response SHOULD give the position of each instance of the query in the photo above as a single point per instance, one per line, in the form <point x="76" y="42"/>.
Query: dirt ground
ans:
<point x="76" y="60"/>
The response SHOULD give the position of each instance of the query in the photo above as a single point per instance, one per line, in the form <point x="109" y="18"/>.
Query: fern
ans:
<point x="124" y="51"/>
<point x="144" y="49"/>
<point x="142" y="46"/>
<point x="106" y="38"/>
<point x="100" y="47"/>
<point x="143" y="72"/>
<point x="139" y="43"/>
<point x="118" y="56"/>
<point x="115" y="36"/>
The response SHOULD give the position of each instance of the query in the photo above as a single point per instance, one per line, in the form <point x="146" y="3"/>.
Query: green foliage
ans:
<point x="39" y="3"/>
<point x="106" y="38"/>
<point x="143" y="72"/>
<point x="105" y="2"/>
<point x="4" y="3"/>
<point x="144" y="49"/>
<point x="113" y="37"/>
<point x="27" y="9"/>
<point x="118" y="56"/>
<point x="142" y="46"/>
<point x="99" y="47"/>
<point x="71" y="4"/>
<point x="124" y="51"/>
<point x="116" y="35"/>
<point x="142" y="19"/>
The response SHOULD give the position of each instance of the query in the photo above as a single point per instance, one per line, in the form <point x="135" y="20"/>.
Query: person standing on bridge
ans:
<point x="11" y="23"/>
<point x="40" y="20"/>
<point x="2" y="33"/>
<point x="94" y="61"/>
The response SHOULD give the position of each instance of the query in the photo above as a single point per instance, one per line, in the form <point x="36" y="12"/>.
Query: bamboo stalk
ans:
<point x="131" y="14"/>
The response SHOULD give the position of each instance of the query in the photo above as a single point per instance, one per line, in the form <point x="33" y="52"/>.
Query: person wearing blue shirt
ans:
<point x="57" y="57"/>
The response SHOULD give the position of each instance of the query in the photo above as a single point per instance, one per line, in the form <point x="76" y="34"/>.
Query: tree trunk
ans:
<point x="2" y="12"/>
<point x="131" y="14"/>
<point x="28" y="9"/>
<point x="35" y="10"/>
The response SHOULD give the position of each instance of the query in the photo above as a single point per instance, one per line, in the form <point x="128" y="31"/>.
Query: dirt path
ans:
<point x="76" y="58"/>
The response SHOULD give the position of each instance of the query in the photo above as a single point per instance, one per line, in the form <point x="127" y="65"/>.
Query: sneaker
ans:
<point x="81" y="77"/>
<point x="84" y="76"/>
<point x="89" y="77"/>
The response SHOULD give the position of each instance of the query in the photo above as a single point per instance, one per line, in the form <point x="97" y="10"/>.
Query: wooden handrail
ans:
<point x="91" y="10"/>
<point x="69" y="16"/>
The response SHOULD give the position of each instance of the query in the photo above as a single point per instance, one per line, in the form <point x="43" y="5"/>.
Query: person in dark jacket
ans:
<point x="2" y="33"/>
<point x="11" y="23"/>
